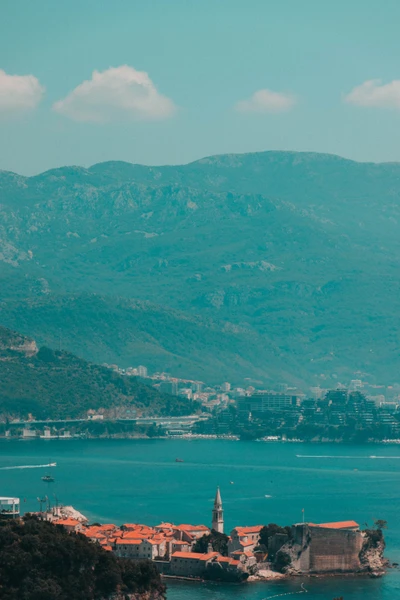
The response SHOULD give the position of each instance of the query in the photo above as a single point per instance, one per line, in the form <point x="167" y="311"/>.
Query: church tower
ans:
<point x="218" y="513"/>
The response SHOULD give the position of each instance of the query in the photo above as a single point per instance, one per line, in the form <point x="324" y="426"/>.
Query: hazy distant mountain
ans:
<point x="275" y="265"/>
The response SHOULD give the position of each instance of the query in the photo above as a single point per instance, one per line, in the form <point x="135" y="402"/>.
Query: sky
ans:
<point x="170" y="81"/>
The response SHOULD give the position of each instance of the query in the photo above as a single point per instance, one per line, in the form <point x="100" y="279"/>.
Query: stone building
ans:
<point x="326" y="548"/>
<point x="244" y="539"/>
<point x="218" y="514"/>
<point x="190" y="564"/>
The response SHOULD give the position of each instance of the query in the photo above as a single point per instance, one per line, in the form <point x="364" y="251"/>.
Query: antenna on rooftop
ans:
<point x="41" y="502"/>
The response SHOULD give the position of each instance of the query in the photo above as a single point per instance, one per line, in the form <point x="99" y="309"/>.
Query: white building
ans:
<point x="9" y="507"/>
<point x="140" y="548"/>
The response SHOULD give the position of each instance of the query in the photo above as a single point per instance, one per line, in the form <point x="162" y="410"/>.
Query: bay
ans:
<point x="139" y="481"/>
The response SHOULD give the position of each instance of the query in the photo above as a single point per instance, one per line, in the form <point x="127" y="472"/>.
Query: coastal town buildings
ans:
<point x="243" y="540"/>
<point x="328" y="547"/>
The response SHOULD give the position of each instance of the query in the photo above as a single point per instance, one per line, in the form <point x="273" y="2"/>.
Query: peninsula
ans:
<point x="257" y="552"/>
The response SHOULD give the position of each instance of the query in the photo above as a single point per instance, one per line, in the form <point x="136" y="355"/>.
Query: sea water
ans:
<point x="119" y="481"/>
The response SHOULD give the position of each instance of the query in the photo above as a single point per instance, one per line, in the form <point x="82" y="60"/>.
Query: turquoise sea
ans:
<point x="139" y="481"/>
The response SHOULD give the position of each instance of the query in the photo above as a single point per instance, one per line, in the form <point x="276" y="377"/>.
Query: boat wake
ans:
<point x="344" y="456"/>
<point x="28" y="467"/>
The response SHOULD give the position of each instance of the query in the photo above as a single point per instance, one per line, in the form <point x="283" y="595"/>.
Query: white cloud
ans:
<point x="374" y="93"/>
<point x="115" y="94"/>
<point x="266" y="101"/>
<point x="19" y="92"/>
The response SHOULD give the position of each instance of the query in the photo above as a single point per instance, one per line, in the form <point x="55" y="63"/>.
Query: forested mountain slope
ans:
<point x="274" y="266"/>
<point x="58" y="385"/>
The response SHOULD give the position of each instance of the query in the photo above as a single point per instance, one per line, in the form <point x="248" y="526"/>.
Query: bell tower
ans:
<point x="218" y="514"/>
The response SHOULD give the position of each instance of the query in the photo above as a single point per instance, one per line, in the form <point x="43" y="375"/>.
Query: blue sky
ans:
<point x="222" y="76"/>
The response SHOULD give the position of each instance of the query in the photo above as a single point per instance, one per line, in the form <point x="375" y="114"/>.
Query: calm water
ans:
<point x="128" y="480"/>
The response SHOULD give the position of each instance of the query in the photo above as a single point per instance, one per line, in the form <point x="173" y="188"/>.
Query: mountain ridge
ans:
<point x="297" y="253"/>
<point x="206" y="160"/>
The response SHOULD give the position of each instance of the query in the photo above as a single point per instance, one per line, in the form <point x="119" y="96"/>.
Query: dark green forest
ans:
<point x="40" y="561"/>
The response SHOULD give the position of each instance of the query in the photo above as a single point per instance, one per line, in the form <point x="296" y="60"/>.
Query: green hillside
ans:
<point x="58" y="384"/>
<point x="278" y="266"/>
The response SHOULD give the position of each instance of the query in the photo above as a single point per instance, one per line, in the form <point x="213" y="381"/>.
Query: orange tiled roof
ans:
<point x="67" y="522"/>
<point x="117" y="533"/>
<point x="337" y="525"/>
<point x="96" y="536"/>
<point x="209" y="555"/>
<point x="245" y="544"/>
<point x="227" y="559"/>
<point x="133" y="534"/>
<point x="194" y="555"/>
<point x="244" y="530"/>
<point x="192" y="527"/>
<point x="123" y="542"/>
<point x="108" y="548"/>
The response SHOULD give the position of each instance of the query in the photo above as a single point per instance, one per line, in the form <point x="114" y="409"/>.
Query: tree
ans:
<point x="380" y="524"/>
<point x="269" y="530"/>
<point x="46" y="354"/>
<point x="41" y="561"/>
<point x="218" y="541"/>
<point x="282" y="561"/>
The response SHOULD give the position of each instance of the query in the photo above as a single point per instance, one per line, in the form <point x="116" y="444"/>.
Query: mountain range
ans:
<point x="272" y="266"/>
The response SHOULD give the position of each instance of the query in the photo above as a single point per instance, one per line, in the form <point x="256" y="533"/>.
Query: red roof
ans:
<point x="194" y="555"/>
<point x="124" y="542"/>
<point x="337" y="525"/>
<point x="245" y="530"/>
<point x="67" y="522"/>
<point x="193" y="527"/>
<point x="95" y="536"/>
<point x="245" y="544"/>
<point x="133" y="534"/>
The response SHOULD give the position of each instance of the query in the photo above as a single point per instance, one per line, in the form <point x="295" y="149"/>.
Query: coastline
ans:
<point x="203" y="437"/>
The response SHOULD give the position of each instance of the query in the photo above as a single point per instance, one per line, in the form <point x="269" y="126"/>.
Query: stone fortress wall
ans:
<point x="322" y="550"/>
